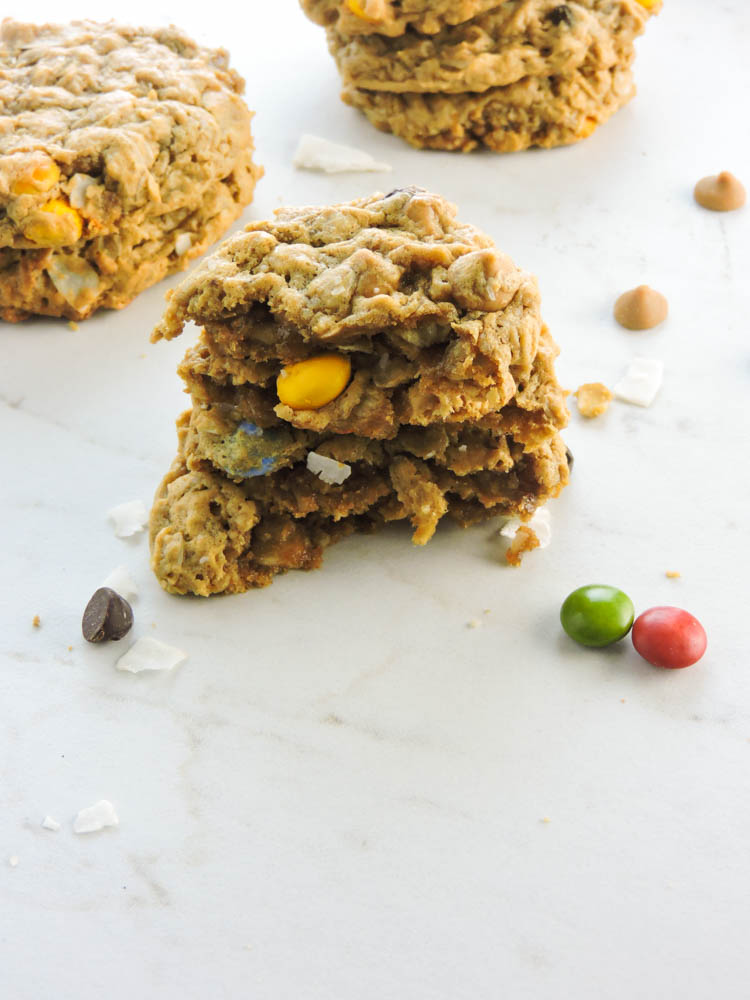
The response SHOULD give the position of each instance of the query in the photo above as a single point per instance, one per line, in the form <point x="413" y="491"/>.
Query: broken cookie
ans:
<point x="358" y="364"/>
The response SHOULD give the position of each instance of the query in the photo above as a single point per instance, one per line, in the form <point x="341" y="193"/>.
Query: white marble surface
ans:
<point x="342" y="792"/>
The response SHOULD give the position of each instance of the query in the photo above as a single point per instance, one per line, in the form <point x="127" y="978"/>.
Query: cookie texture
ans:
<point x="510" y="43"/>
<point x="451" y="407"/>
<point x="124" y="153"/>
<point x="392" y="17"/>
<point x="520" y="73"/>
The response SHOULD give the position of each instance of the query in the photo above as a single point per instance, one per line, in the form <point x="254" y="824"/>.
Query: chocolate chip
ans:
<point x="561" y="15"/>
<point x="107" y="616"/>
<point x="569" y="456"/>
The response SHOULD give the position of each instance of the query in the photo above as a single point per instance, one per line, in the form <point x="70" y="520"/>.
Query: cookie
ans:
<point x="124" y="153"/>
<point x="358" y="364"/>
<point x="514" y="41"/>
<point x="535" y="111"/>
<point x="392" y="17"/>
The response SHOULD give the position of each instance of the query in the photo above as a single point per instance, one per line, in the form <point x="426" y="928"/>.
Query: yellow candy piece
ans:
<point x="358" y="10"/>
<point x="63" y="227"/>
<point x="648" y="4"/>
<point x="43" y="177"/>
<point x="310" y="384"/>
<point x="588" y="126"/>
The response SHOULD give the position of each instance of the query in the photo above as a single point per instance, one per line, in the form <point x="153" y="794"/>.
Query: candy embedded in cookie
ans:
<point x="358" y="364"/>
<point x="138" y="161"/>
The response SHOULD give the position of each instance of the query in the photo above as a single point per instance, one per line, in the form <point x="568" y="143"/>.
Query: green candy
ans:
<point x="597" y="615"/>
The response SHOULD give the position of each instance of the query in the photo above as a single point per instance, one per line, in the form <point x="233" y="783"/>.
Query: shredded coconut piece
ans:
<point x="641" y="382"/>
<point x="128" y="518"/>
<point x="540" y="524"/>
<point x="183" y="243"/>
<point x="315" y="153"/>
<point x="95" y="818"/>
<point x="148" y="653"/>
<point x="50" y="824"/>
<point x="329" y="470"/>
<point x="122" y="583"/>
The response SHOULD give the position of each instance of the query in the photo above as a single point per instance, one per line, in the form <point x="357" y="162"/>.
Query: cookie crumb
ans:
<point x="524" y="541"/>
<point x="36" y="621"/>
<point x="72" y="325"/>
<point x="545" y="819"/>
<point x="474" y="623"/>
<point x="70" y="649"/>
<point x="672" y="574"/>
<point x="13" y="860"/>
<point x="593" y="399"/>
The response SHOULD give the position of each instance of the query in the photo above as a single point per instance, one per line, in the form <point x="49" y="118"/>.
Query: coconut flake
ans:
<point x="328" y="469"/>
<point x="75" y="280"/>
<point x="128" y="518"/>
<point x="540" y="524"/>
<point x="80" y="183"/>
<point x="50" y="824"/>
<point x="122" y="583"/>
<point x="641" y="382"/>
<point x="95" y="818"/>
<point x="183" y="243"/>
<point x="150" y="654"/>
<point x="315" y="153"/>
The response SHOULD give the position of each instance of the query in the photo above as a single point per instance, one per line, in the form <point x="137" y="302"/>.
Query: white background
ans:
<point x="341" y="794"/>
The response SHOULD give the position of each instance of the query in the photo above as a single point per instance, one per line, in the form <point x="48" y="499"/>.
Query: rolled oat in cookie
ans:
<point x="124" y="153"/>
<point x="359" y="363"/>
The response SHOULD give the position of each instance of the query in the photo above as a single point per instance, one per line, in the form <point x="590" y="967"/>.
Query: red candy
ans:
<point x="669" y="637"/>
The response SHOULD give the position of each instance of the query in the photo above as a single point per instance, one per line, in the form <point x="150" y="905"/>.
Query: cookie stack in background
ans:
<point x="361" y="363"/>
<point x="124" y="153"/>
<point x="457" y="75"/>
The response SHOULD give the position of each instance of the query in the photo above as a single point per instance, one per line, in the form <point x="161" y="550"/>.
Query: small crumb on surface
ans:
<point x="316" y="153"/>
<point x="128" y="518"/>
<point x="593" y="399"/>
<point x="50" y="824"/>
<point x="672" y="574"/>
<point x="474" y="623"/>
<point x="533" y="534"/>
<point x="70" y="649"/>
<point x="148" y="653"/>
<point x="72" y="325"/>
<point x="641" y="382"/>
<point x="545" y="819"/>
<point x="95" y="818"/>
<point x="36" y="621"/>
<point x="487" y="611"/>
<point x="13" y="860"/>
<point x="121" y="582"/>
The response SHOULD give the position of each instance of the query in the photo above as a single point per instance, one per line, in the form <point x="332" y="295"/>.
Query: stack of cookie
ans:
<point x="507" y="75"/>
<point x="358" y="364"/>
<point x="124" y="153"/>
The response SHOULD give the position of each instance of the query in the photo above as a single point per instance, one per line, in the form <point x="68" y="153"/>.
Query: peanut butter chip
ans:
<point x="641" y="308"/>
<point x="720" y="193"/>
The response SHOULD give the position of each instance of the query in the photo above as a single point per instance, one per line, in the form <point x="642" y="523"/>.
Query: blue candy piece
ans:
<point x="251" y="451"/>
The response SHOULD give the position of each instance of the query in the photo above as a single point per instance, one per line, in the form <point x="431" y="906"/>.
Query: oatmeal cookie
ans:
<point x="516" y="40"/>
<point x="358" y="364"/>
<point x="536" y="111"/>
<point x="124" y="153"/>
<point x="392" y="17"/>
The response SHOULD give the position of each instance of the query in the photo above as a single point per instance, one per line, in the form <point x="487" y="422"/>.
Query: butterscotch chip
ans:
<point x="124" y="153"/>
<point x="36" y="621"/>
<point x="720" y="193"/>
<point x="641" y="308"/>
<point x="593" y="399"/>
<point x="525" y="541"/>
<point x="450" y="407"/>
